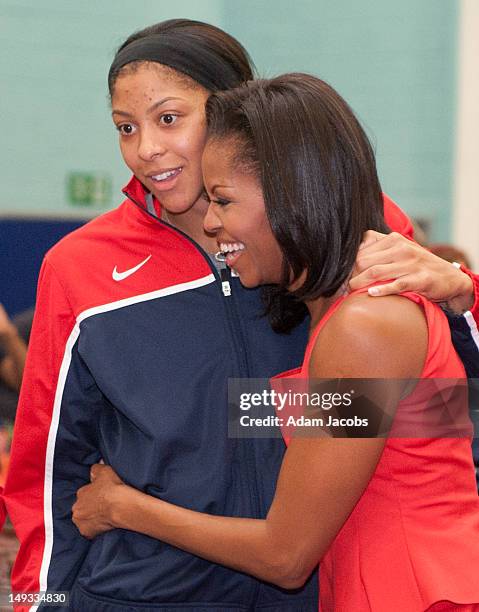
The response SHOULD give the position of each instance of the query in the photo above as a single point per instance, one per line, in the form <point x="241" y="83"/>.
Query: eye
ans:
<point x="168" y="119"/>
<point x="126" y="129"/>
<point x="221" y="201"/>
<point x="206" y="197"/>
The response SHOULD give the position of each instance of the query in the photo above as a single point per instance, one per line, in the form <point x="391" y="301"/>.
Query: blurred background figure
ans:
<point x="14" y="336"/>
<point x="450" y="253"/>
<point x="420" y="232"/>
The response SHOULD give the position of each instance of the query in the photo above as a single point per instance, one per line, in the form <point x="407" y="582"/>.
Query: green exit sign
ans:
<point x="88" y="189"/>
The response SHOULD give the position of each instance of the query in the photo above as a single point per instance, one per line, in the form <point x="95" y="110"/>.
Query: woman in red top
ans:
<point x="395" y="522"/>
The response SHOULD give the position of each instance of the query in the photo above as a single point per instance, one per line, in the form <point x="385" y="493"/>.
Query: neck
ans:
<point x="191" y="223"/>
<point x="319" y="307"/>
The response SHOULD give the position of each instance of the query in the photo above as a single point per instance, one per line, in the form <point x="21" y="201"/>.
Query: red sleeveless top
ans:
<point x="412" y="540"/>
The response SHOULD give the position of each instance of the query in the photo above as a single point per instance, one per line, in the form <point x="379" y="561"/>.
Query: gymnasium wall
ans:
<point x="56" y="117"/>
<point x="59" y="161"/>
<point x="393" y="61"/>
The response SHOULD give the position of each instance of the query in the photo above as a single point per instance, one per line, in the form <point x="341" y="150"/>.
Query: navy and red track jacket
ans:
<point x="133" y="341"/>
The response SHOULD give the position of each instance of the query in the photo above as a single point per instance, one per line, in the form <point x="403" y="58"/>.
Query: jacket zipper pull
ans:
<point x="225" y="283"/>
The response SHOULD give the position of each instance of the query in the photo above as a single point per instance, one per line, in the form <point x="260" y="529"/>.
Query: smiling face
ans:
<point x="160" y="117"/>
<point x="237" y="216"/>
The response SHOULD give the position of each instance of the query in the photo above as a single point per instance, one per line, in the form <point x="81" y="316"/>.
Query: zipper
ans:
<point x="198" y="247"/>
<point x="238" y="341"/>
<point x="224" y="276"/>
<point x="225" y="283"/>
<point x="247" y="448"/>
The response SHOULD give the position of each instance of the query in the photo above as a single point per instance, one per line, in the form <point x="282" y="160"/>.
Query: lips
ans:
<point x="164" y="180"/>
<point x="164" y="175"/>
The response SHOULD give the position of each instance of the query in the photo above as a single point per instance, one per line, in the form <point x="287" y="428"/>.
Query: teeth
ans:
<point x="230" y="247"/>
<point x="164" y="175"/>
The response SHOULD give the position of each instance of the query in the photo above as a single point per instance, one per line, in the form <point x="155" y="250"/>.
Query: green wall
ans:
<point x="54" y="106"/>
<point x="393" y="61"/>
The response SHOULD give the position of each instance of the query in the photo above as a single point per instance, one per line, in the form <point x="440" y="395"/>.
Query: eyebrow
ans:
<point x="150" y="110"/>
<point x="215" y="187"/>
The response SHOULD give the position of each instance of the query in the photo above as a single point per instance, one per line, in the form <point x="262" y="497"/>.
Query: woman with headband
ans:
<point x="394" y="522"/>
<point x="137" y="329"/>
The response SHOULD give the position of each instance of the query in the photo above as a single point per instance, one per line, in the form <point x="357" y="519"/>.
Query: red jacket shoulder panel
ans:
<point x="397" y="220"/>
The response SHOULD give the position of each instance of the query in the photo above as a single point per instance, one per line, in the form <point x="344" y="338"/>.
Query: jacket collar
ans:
<point x="137" y="193"/>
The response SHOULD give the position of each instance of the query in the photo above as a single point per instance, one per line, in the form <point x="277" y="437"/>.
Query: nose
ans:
<point x="150" y="144"/>
<point x="212" y="222"/>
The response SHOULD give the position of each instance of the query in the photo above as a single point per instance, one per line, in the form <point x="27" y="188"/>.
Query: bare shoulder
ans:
<point x="372" y="337"/>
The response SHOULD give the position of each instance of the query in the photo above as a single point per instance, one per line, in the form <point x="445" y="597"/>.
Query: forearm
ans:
<point x="286" y="546"/>
<point x="464" y="297"/>
<point x="252" y="546"/>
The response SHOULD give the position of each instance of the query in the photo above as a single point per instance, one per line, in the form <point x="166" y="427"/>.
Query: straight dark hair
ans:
<point x="318" y="173"/>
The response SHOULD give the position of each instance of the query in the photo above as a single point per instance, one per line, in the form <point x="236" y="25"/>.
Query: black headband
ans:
<point x="186" y="54"/>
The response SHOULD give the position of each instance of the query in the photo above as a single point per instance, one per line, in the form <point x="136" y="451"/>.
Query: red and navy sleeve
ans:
<point x="50" y="456"/>
<point x="396" y="218"/>
<point x="465" y="333"/>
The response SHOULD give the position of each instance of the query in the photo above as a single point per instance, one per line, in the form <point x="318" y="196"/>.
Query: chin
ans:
<point x="249" y="282"/>
<point x="174" y="205"/>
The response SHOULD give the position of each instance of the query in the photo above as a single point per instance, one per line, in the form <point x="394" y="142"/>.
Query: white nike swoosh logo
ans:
<point x="118" y="276"/>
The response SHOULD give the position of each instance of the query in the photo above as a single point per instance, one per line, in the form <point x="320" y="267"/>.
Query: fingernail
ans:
<point x="373" y="290"/>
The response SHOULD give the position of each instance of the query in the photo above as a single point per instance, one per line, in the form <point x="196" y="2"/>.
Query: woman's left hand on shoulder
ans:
<point x="409" y="267"/>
